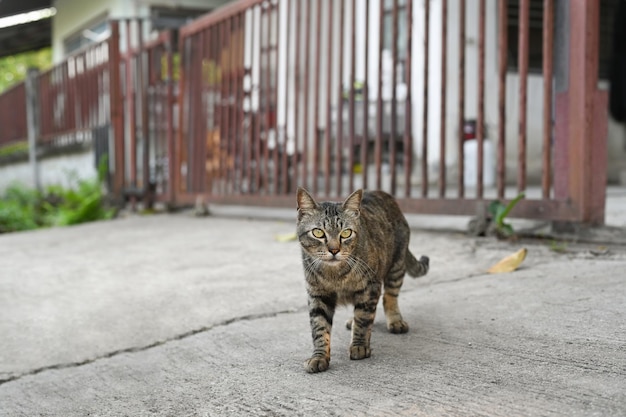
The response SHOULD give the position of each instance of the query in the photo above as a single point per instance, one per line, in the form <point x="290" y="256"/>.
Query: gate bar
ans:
<point x="480" y="123"/>
<point x="444" y="83"/>
<point x="502" y="68"/>
<point x="523" y="34"/>
<point x="425" y="102"/>
<point x="408" y="136"/>
<point x="461" y="104"/>
<point x="548" y="65"/>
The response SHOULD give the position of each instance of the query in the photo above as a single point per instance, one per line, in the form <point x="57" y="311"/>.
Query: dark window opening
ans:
<point x="535" y="37"/>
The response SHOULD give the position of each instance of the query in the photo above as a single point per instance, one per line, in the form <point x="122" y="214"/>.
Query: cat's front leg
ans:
<point x="364" y="314"/>
<point x="321" y="312"/>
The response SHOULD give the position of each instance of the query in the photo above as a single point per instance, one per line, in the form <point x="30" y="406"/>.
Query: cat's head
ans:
<point x="328" y="231"/>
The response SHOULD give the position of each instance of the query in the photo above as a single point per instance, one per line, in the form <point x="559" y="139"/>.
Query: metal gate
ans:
<point x="338" y="94"/>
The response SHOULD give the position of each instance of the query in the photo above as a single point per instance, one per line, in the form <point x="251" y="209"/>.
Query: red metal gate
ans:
<point x="281" y="93"/>
<point x="144" y="121"/>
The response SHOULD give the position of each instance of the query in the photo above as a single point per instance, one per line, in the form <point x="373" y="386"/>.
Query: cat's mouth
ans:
<point x="333" y="260"/>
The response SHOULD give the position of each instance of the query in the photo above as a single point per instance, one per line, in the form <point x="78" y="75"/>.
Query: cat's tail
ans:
<point x="414" y="267"/>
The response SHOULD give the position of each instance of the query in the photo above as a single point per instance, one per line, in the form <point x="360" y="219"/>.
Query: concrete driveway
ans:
<point x="171" y="315"/>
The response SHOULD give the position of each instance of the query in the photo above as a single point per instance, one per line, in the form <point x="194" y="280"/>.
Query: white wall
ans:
<point x="54" y="170"/>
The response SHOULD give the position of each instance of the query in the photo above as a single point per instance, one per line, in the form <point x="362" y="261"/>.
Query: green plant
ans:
<point x="18" y="209"/>
<point x="25" y="209"/>
<point x="499" y="211"/>
<point x="81" y="203"/>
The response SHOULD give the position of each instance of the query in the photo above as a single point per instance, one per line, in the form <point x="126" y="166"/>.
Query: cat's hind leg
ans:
<point x="393" y="283"/>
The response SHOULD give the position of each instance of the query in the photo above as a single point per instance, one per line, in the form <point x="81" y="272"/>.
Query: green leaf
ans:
<point x="501" y="215"/>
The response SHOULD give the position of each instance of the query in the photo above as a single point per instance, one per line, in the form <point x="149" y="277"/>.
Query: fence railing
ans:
<point x="13" y="115"/>
<point x="74" y="99"/>
<point x="334" y="95"/>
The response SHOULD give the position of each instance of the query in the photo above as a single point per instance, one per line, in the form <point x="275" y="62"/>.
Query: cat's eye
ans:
<point x="318" y="233"/>
<point x="346" y="233"/>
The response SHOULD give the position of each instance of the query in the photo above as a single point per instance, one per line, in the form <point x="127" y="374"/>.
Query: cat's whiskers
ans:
<point x="360" y="266"/>
<point x="313" y="266"/>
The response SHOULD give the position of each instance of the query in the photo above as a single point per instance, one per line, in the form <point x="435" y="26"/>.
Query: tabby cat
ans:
<point x="349" y="251"/>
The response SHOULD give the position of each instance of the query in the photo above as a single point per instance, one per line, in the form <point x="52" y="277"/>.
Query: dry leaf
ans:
<point x="509" y="263"/>
<point x="286" y="237"/>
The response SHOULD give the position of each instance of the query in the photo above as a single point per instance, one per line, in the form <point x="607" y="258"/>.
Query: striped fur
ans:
<point x="351" y="251"/>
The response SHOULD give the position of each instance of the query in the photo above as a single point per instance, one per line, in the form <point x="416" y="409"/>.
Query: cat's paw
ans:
<point x="316" y="364"/>
<point x="359" y="352"/>
<point x="425" y="260"/>
<point x="349" y="324"/>
<point x="398" y="327"/>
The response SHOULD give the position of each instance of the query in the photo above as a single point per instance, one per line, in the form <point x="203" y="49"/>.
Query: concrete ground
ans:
<point x="172" y="315"/>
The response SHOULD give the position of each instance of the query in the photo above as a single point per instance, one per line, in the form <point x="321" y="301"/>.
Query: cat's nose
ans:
<point x="333" y="251"/>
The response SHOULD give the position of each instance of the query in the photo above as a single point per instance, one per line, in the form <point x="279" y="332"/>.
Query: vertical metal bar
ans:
<point x="171" y="146"/>
<point x="256" y="116"/>
<point x="351" y="141"/>
<point x="444" y="83"/>
<point x="249" y="144"/>
<point x="307" y="89"/>
<point x="548" y="42"/>
<point x="329" y="91"/>
<point x="394" y="98"/>
<point x="230" y="46"/>
<point x="116" y="109"/>
<point x="524" y="26"/>
<point x="183" y="106"/>
<point x="220" y="56"/>
<point x="203" y="182"/>
<point x="225" y="51"/>
<point x="32" y="122"/>
<point x="316" y="109"/>
<point x="408" y="131"/>
<point x="132" y="111"/>
<point x="69" y="100"/>
<point x="266" y="95"/>
<point x="480" y="126"/>
<point x="298" y="97"/>
<point x="148" y="198"/>
<point x="191" y="112"/>
<point x="238" y="69"/>
<point x="285" y="152"/>
<point x="461" y="122"/>
<point x="366" y="102"/>
<point x="502" y="65"/>
<point x="275" y="101"/>
<point x="339" y="156"/>
<point x="378" y="146"/>
<point x="425" y="102"/>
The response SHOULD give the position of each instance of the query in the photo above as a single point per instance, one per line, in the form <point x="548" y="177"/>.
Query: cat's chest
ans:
<point x="345" y="286"/>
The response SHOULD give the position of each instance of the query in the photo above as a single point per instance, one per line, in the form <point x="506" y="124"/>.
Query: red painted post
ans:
<point x="587" y="115"/>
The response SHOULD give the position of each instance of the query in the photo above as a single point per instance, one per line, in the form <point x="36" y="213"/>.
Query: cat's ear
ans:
<point x="305" y="202"/>
<point x="353" y="202"/>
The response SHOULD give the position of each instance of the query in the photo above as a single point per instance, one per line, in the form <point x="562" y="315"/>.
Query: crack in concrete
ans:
<point x="135" y="349"/>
